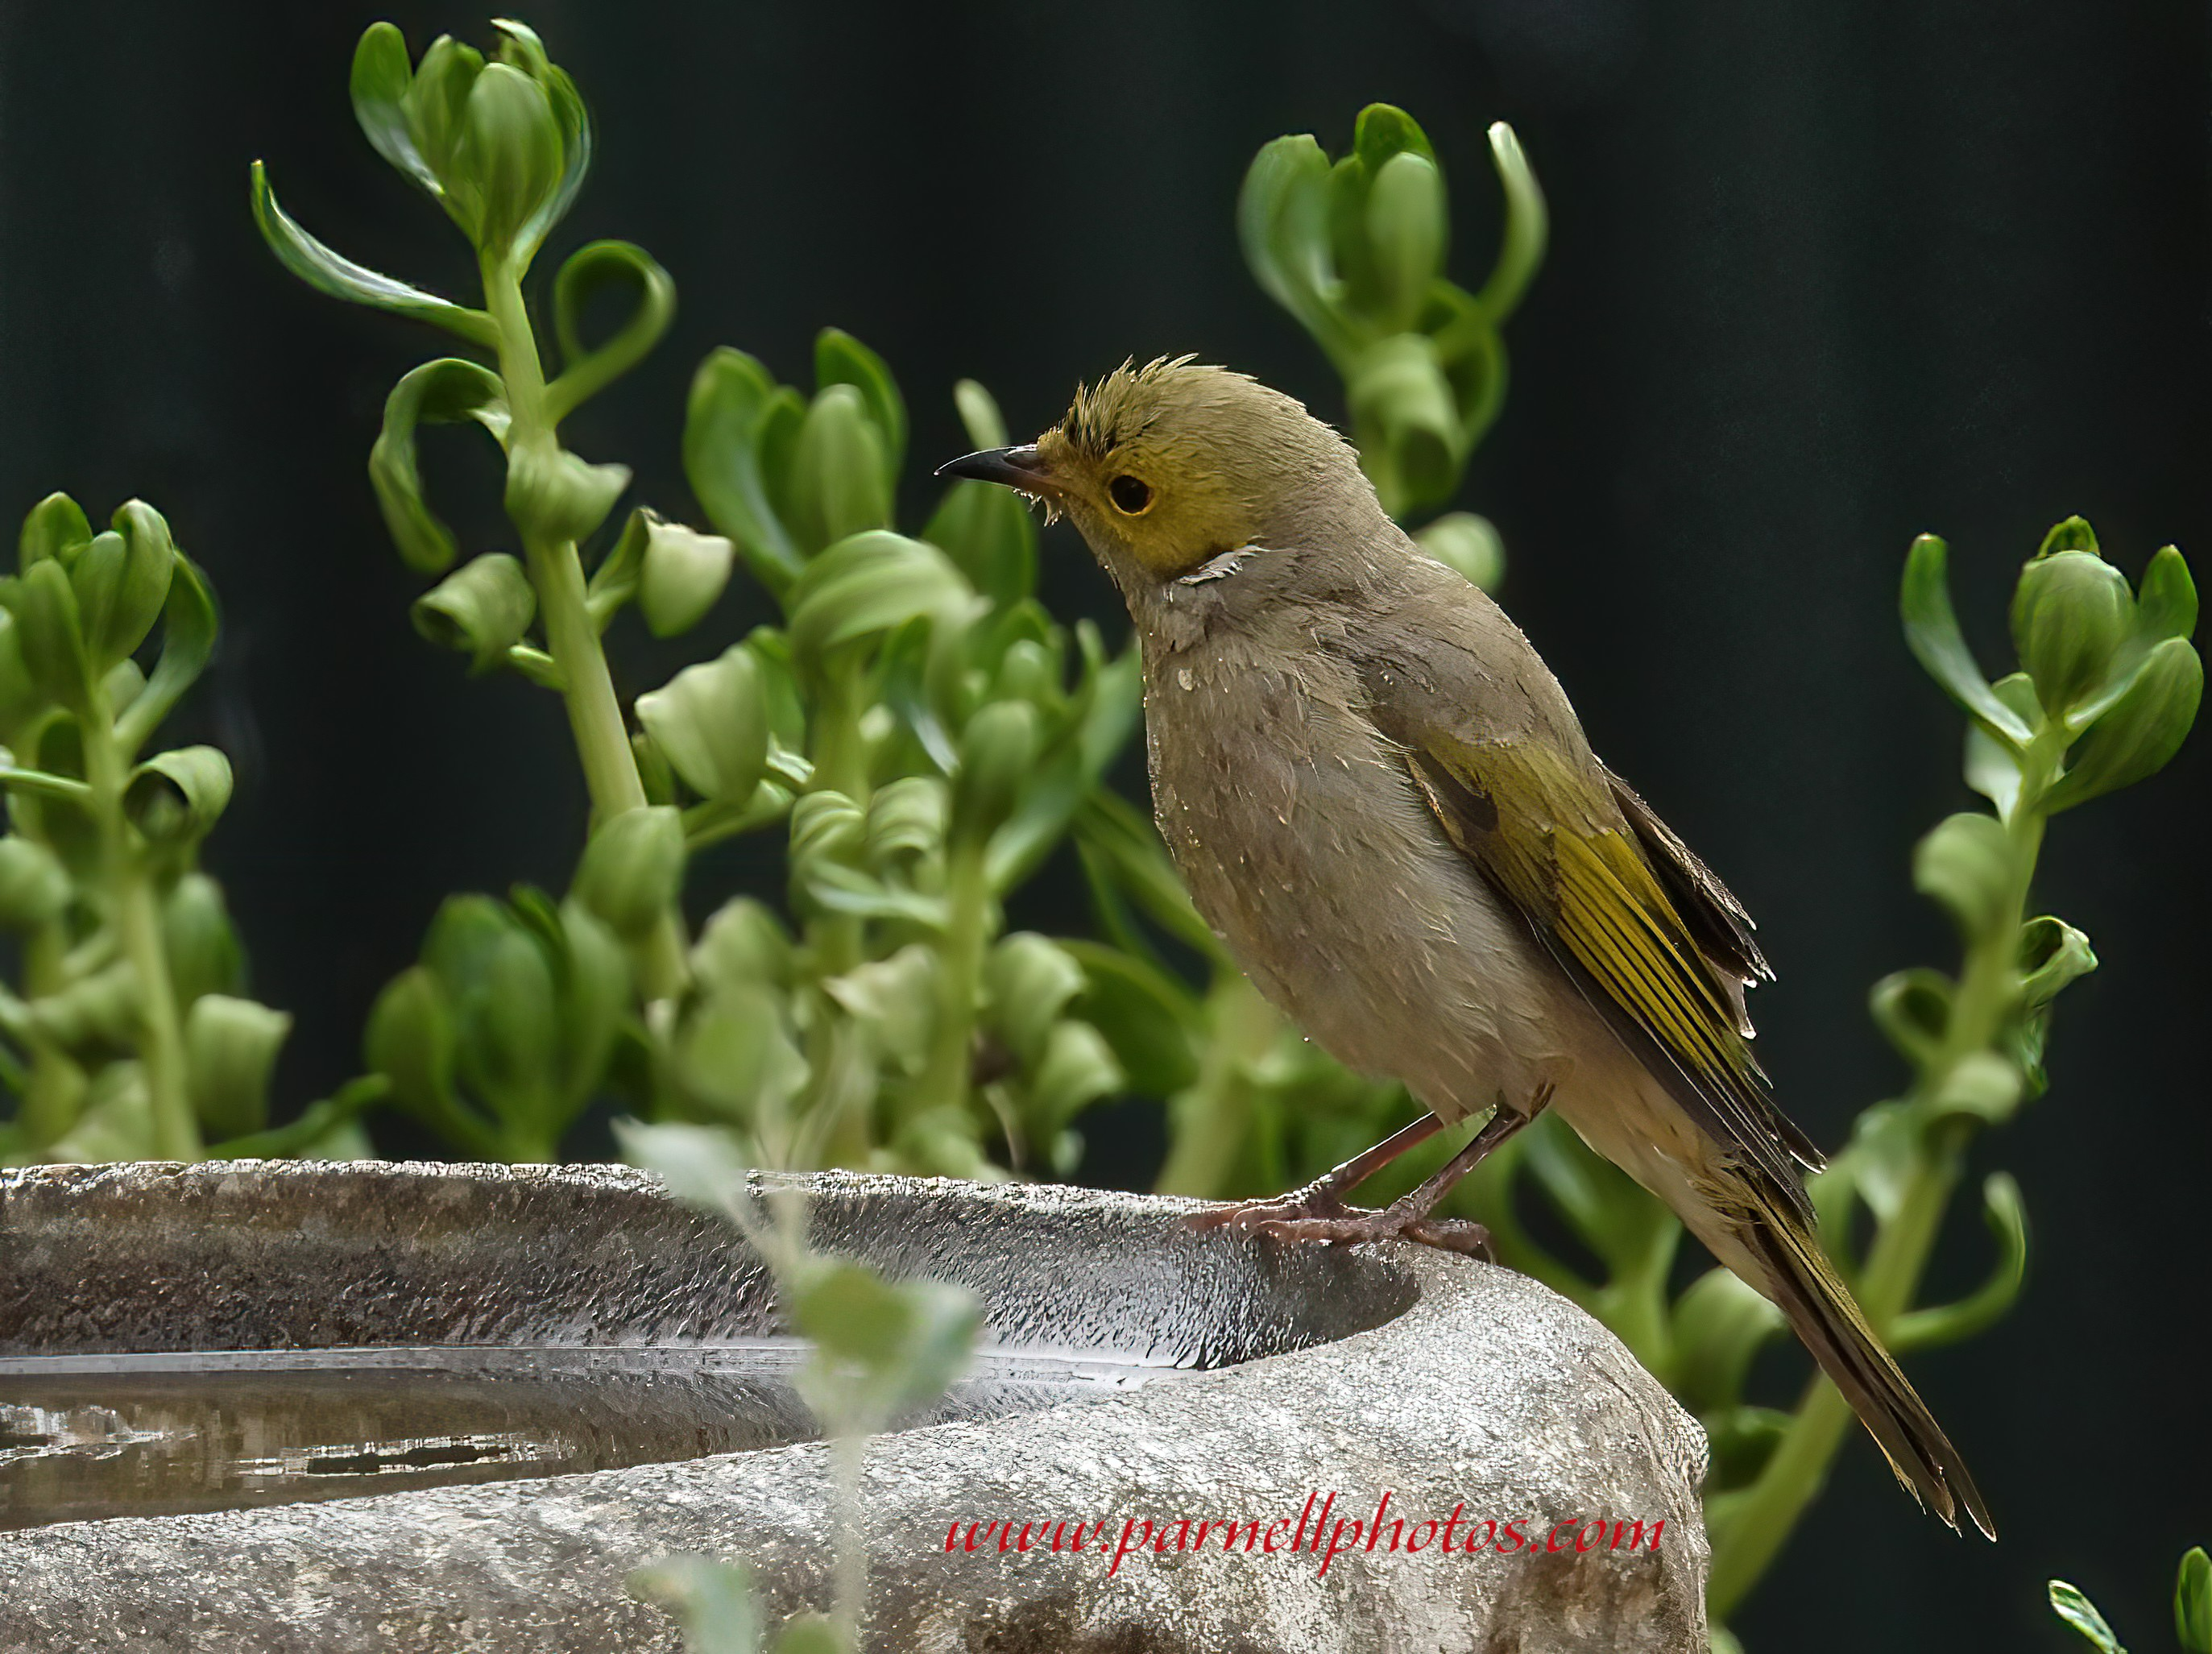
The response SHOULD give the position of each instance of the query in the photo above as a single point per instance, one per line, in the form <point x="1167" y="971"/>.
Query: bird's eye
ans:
<point x="1129" y="494"/>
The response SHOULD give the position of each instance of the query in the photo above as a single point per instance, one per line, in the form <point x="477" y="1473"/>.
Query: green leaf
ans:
<point x="409" y="1039"/>
<point x="978" y="415"/>
<point x="1982" y="1086"/>
<point x="482" y="608"/>
<point x="51" y="638"/>
<point x="908" y="1342"/>
<point x="510" y="1026"/>
<point x="2192" y="1602"/>
<point x="34" y="887"/>
<point x="2079" y="1611"/>
<point x="436" y="106"/>
<point x="1462" y="541"/>
<point x="593" y="989"/>
<point x="990" y="537"/>
<point x="1077" y="1068"/>
<point x="2073" y="534"/>
<point x="230" y="1050"/>
<point x="711" y="722"/>
<point x="1913" y="1009"/>
<point x="559" y="495"/>
<point x="340" y="277"/>
<point x="812" y="1633"/>
<point x="1992" y="769"/>
<point x="1527" y="229"/>
<point x="189" y="625"/>
<point x="1967" y="864"/>
<point x="1720" y="1324"/>
<point x="1407" y="230"/>
<point x="998" y="750"/>
<point x="714" y="1600"/>
<point x="1127" y="853"/>
<point x="2072" y="612"/>
<point x="732" y="401"/>
<point x="381" y="74"/>
<point x="2166" y="600"/>
<point x="177" y="796"/>
<point x="701" y="1164"/>
<point x="1027" y="981"/>
<point x="54" y="525"/>
<point x="839" y="482"/>
<point x="199" y="941"/>
<point x="735" y="1057"/>
<point x="2140" y="732"/>
<point x="1151" y="1018"/>
<point x="682" y="574"/>
<point x="1385" y="131"/>
<point x="867" y="585"/>
<point x="441" y="392"/>
<point x="591" y="269"/>
<point x="1282" y="222"/>
<point x="510" y="148"/>
<point x="1931" y="631"/>
<point x="633" y="869"/>
<point x="743" y="942"/>
<point x="521" y="48"/>
<point x="840" y="359"/>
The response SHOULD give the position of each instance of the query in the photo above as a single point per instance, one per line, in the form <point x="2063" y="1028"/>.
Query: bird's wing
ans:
<point x="1655" y="942"/>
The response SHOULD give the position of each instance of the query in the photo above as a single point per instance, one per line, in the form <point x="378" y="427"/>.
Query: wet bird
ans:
<point x="1382" y="801"/>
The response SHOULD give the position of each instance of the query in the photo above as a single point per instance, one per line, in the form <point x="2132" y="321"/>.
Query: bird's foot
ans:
<point x="1315" y="1200"/>
<point x="1392" y="1223"/>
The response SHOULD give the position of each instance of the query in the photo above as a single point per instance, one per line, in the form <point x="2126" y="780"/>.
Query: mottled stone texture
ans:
<point x="1449" y="1383"/>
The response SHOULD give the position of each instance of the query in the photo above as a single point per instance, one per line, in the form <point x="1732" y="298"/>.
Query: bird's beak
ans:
<point x="1019" y="468"/>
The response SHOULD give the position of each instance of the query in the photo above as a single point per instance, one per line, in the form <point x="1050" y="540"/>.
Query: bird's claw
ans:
<point x="1353" y="1228"/>
<point x="1301" y="1205"/>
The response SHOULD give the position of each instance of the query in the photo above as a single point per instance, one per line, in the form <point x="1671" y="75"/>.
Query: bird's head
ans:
<point x="1167" y="466"/>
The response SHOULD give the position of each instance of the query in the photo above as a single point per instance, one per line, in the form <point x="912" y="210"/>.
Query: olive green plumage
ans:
<point x="1381" y="799"/>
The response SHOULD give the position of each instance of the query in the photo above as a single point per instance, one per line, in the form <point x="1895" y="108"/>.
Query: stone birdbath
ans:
<point x="280" y="1405"/>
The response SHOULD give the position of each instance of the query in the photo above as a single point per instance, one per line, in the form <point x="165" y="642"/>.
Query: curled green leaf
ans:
<point x="481" y="608"/>
<point x="54" y="525"/>
<point x="2006" y="1214"/>
<point x="440" y="393"/>
<point x="592" y="269"/>
<point x="177" y="796"/>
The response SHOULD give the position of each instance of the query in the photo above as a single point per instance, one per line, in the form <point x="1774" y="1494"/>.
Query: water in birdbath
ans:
<point x="86" y="1436"/>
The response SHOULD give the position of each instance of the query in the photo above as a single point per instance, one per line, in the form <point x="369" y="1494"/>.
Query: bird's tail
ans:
<point x="1820" y="1309"/>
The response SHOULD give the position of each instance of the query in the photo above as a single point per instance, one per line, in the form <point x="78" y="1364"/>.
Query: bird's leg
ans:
<point x="1324" y="1196"/>
<point x="1409" y="1219"/>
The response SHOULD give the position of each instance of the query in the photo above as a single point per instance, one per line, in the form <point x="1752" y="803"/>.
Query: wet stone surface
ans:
<point x="348" y="1345"/>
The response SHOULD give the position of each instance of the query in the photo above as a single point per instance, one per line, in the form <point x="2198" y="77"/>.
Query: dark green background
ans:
<point x="1821" y="276"/>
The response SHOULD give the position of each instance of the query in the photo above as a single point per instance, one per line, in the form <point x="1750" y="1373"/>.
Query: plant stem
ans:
<point x="1761" y="1518"/>
<point x="134" y="909"/>
<point x="595" y="716"/>
<point x="946" y="1074"/>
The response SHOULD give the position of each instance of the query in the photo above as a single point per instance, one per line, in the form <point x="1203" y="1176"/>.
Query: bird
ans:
<point x="1381" y="800"/>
